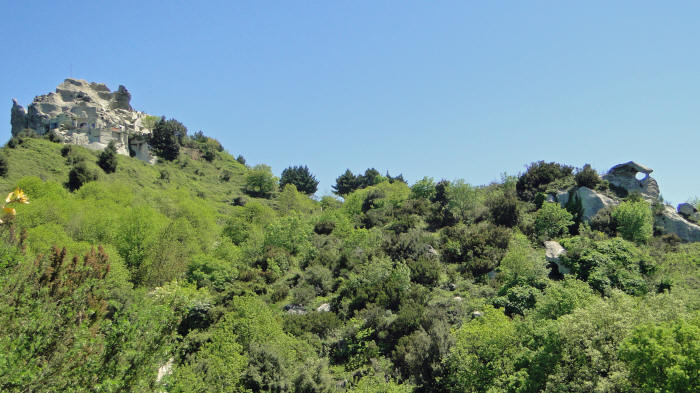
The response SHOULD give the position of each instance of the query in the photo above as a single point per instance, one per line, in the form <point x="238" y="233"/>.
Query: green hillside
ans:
<point x="200" y="275"/>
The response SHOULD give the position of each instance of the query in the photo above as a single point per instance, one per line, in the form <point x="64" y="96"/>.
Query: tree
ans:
<point x="462" y="199"/>
<point x="260" y="182"/>
<point x="166" y="137"/>
<point x="345" y="183"/>
<point x="79" y="175"/>
<point x="108" y="158"/>
<point x="634" y="221"/>
<point x="301" y="177"/>
<point x="552" y="220"/>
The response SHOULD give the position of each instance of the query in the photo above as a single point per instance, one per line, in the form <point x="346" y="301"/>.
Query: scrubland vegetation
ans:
<point x="206" y="269"/>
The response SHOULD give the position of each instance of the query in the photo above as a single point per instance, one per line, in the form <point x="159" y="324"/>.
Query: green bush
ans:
<point x="538" y="175"/>
<point x="587" y="177"/>
<point x="79" y="175"/>
<point x="108" y="158"/>
<point x="260" y="182"/>
<point x="552" y="221"/>
<point x="634" y="221"/>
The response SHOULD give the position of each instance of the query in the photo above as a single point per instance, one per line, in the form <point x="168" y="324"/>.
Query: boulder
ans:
<point x="624" y="176"/>
<point x="553" y="252"/>
<point x="325" y="307"/>
<point x="295" y="309"/>
<point x="591" y="201"/>
<point x="686" y="210"/>
<point x="669" y="221"/>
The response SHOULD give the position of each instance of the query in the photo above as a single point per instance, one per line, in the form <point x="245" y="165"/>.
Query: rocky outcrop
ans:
<point x="671" y="222"/>
<point x="591" y="201"/>
<point x="553" y="252"/>
<point x="687" y="210"/>
<point x="86" y="114"/>
<point x="624" y="176"/>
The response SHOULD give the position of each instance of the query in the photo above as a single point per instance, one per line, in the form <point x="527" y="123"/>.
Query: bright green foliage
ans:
<point x="301" y="177"/>
<point x="260" y="182"/>
<point x="462" y="200"/>
<point x="424" y="188"/>
<point x="376" y="384"/>
<point x="228" y="286"/>
<point x="563" y="297"/>
<point x="634" y="221"/>
<point x="664" y="358"/>
<point x="483" y="353"/>
<point x="607" y="264"/>
<point x="552" y="221"/>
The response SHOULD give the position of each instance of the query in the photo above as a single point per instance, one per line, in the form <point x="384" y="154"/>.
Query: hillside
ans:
<point x="187" y="278"/>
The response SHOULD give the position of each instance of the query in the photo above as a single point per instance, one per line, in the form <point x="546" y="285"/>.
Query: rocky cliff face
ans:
<point x="86" y="114"/>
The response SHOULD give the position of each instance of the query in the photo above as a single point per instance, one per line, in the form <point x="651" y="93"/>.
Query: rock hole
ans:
<point x="640" y="176"/>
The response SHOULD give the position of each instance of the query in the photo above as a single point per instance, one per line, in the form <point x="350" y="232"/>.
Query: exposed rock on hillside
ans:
<point x="553" y="252"/>
<point x="625" y="176"/>
<point x="671" y="222"/>
<point x="591" y="201"/>
<point x="86" y="114"/>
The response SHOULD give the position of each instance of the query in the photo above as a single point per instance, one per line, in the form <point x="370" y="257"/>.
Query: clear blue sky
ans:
<point x="443" y="89"/>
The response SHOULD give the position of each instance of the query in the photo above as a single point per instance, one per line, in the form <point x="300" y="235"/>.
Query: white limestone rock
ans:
<point x="553" y="252"/>
<point x="624" y="176"/>
<point x="86" y="114"/>
<point x="671" y="222"/>
<point x="591" y="201"/>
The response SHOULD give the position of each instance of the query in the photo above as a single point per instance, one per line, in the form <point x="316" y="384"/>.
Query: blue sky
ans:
<point x="442" y="89"/>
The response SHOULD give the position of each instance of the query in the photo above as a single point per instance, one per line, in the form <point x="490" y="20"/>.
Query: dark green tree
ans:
<point x="79" y="175"/>
<point x="108" y="158"/>
<point x="165" y="138"/>
<point x="301" y="177"/>
<point x="345" y="183"/>
<point x="3" y="166"/>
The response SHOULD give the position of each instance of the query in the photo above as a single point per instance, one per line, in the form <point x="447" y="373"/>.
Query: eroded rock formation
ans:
<point x="624" y="176"/>
<point x="86" y="114"/>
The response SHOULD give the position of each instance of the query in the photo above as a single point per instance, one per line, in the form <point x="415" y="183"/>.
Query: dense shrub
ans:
<point x="634" y="221"/>
<point x="260" y="182"/>
<point x="3" y="165"/>
<point x="503" y="209"/>
<point x="108" y="158"/>
<point x="79" y="175"/>
<point x="538" y="175"/>
<point x="587" y="177"/>
<point x="552" y="221"/>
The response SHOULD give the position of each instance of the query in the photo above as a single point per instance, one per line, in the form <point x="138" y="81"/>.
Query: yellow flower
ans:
<point x="17" y="196"/>
<point x="9" y="210"/>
